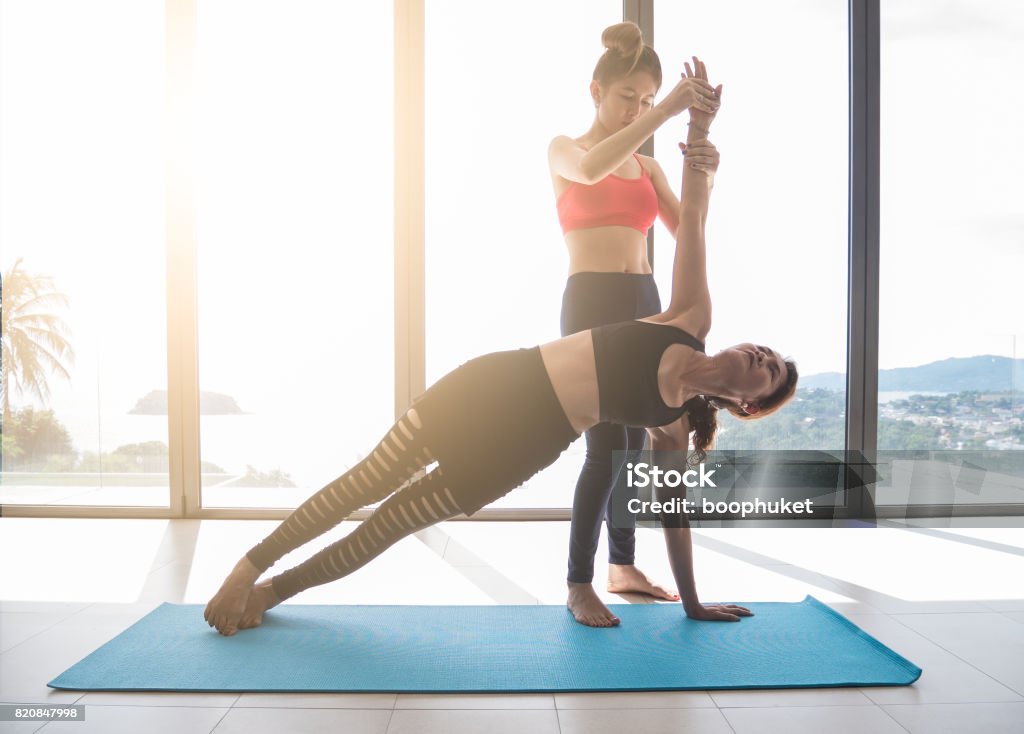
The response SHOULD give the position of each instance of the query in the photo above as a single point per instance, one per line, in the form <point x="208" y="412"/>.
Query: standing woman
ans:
<point x="608" y="197"/>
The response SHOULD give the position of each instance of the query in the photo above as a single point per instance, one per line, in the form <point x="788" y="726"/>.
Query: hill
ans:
<point x="956" y="374"/>
<point x="210" y="403"/>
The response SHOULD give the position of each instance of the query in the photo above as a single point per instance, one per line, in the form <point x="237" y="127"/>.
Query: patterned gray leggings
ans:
<point x="414" y="506"/>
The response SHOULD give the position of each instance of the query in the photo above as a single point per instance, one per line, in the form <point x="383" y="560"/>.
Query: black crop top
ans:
<point x="627" y="355"/>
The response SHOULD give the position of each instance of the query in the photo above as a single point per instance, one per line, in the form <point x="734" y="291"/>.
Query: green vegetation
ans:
<point x="35" y="441"/>
<point x="34" y="339"/>
<point x="815" y="419"/>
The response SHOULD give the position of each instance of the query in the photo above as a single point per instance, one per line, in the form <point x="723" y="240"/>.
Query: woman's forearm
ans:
<point x="689" y="269"/>
<point x="680" y="558"/>
<point x="612" y="152"/>
<point x="697" y="185"/>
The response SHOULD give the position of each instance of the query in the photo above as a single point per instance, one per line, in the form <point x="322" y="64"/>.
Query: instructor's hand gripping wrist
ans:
<point x="701" y="156"/>
<point x="701" y="117"/>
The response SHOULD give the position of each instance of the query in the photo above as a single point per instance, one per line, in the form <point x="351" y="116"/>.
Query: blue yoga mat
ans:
<point x="506" y="649"/>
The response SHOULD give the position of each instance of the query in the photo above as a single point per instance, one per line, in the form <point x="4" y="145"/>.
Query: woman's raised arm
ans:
<point x="689" y="270"/>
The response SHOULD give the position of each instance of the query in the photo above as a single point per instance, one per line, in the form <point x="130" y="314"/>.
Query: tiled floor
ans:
<point x="950" y="600"/>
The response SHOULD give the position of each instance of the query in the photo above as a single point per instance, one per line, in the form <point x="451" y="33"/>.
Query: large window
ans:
<point x="295" y="202"/>
<point x="82" y="253"/>
<point x="777" y="224"/>
<point x="502" y="80"/>
<point x="952" y="251"/>
<point x="288" y="120"/>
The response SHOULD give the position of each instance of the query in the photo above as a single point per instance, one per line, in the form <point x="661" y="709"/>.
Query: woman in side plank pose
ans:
<point x="496" y="420"/>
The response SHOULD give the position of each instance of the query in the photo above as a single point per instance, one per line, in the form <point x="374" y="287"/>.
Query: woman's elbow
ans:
<point x="586" y="174"/>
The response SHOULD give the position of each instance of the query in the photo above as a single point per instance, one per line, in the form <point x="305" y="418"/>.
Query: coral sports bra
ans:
<point x="628" y="202"/>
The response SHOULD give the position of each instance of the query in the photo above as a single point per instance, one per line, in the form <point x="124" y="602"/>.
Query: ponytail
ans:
<point x="703" y="418"/>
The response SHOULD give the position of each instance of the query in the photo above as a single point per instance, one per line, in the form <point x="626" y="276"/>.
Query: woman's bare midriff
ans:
<point x="612" y="249"/>
<point x="570" y="365"/>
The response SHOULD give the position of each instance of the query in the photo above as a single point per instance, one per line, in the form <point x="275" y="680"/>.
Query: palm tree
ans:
<point x="35" y="340"/>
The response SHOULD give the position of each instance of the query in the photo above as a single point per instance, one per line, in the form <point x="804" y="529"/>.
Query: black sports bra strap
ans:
<point x="683" y="336"/>
<point x="691" y="340"/>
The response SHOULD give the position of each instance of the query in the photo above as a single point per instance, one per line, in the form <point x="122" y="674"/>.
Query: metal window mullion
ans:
<point x="409" y="197"/>
<point x="641" y="12"/>
<point x="182" y="328"/>
<point x="863" y="315"/>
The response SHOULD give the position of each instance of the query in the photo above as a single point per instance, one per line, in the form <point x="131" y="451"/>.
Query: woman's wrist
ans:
<point x="663" y="115"/>
<point x="696" y="132"/>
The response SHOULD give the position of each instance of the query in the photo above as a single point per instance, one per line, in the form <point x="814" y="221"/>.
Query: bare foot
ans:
<point x="261" y="599"/>
<point x="588" y="608"/>
<point x="623" y="579"/>
<point x="228" y="604"/>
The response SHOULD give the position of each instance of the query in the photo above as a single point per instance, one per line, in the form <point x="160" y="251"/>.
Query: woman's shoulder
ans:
<point x="561" y="142"/>
<point x="564" y="153"/>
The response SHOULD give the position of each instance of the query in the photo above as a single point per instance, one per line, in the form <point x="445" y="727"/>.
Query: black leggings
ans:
<point x="490" y="425"/>
<point x="590" y="300"/>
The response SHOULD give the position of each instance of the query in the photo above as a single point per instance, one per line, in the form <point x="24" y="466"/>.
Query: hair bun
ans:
<point x="624" y="38"/>
<point x="625" y="53"/>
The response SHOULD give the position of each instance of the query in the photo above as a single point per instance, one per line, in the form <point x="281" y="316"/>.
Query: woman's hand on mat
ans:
<point x="702" y="155"/>
<point x="693" y="93"/>
<point x="701" y="116"/>
<point x="718" y="612"/>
